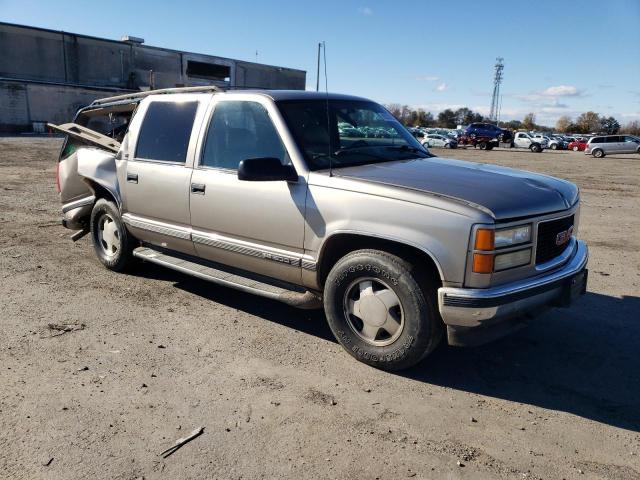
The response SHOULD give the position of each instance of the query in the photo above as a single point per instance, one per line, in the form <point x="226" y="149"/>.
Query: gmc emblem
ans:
<point x="564" y="236"/>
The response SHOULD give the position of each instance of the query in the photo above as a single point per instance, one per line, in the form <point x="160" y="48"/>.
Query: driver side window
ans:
<point x="240" y="130"/>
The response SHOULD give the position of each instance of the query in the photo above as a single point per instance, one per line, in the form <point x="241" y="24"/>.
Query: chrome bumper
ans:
<point x="469" y="308"/>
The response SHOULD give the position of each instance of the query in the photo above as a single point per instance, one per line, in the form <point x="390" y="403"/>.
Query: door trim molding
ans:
<point x="293" y="259"/>
<point x="163" y="228"/>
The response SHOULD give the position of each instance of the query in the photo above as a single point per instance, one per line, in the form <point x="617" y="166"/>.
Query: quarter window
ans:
<point x="239" y="131"/>
<point x="165" y="132"/>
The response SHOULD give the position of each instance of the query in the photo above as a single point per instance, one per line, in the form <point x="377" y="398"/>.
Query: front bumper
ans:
<point x="469" y="310"/>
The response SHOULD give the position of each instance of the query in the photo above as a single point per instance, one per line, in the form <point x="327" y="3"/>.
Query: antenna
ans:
<point x="326" y="91"/>
<point x="497" y="80"/>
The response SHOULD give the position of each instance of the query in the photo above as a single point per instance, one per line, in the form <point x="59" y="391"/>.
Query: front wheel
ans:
<point x="111" y="241"/>
<point x="554" y="146"/>
<point x="381" y="310"/>
<point x="575" y="149"/>
<point x="535" y="148"/>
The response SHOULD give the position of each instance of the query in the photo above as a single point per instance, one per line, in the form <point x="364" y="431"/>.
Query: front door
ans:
<point x="157" y="174"/>
<point x="255" y="226"/>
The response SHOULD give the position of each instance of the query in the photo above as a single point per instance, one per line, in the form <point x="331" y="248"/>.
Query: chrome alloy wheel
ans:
<point x="108" y="235"/>
<point x="373" y="311"/>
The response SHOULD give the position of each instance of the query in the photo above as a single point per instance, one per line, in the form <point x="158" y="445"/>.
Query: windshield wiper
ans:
<point x="355" y="150"/>
<point x="407" y="148"/>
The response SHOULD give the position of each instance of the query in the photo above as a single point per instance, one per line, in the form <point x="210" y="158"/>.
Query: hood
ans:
<point x="505" y="192"/>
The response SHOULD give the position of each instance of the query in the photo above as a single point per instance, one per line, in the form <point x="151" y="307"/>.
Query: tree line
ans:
<point x="588" y="122"/>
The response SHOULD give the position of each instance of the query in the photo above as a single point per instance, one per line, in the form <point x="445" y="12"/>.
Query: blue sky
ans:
<point x="561" y="57"/>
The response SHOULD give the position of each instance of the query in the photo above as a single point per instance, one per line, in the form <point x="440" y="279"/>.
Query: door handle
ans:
<point x="132" y="177"/>
<point x="198" y="188"/>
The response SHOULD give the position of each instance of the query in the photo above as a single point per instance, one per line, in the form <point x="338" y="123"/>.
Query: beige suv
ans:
<point x="327" y="201"/>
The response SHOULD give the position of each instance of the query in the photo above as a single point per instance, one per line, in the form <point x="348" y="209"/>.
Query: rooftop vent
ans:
<point x="130" y="39"/>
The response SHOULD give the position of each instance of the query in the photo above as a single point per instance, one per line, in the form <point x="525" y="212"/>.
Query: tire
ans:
<point x="489" y="146"/>
<point x="554" y="146"/>
<point x="113" y="246"/>
<point x="403" y="321"/>
<point x="598" y="153"/>
<point x="535" y="148"/>
<point x="575" y="149"/>
<point x="482" y="145"/>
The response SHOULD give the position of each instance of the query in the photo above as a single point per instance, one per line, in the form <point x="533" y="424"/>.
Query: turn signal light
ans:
<point x="482" y="263"/>
<point x="485" y="239"/>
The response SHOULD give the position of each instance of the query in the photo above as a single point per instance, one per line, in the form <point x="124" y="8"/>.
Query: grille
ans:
<point x="546" y="248"/>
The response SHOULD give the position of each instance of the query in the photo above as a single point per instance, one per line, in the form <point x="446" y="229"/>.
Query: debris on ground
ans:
<point x="62" y="328"/>
<point x="181" y="442"/>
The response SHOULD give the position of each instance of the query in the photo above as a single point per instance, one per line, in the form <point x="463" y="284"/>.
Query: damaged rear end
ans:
<point x="86" y="167"/>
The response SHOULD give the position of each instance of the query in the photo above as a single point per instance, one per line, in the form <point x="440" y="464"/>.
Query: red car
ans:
<point x="578" y="145"/>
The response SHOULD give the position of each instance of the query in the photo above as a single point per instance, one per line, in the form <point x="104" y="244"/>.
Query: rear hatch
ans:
<point x="102" y="127"/>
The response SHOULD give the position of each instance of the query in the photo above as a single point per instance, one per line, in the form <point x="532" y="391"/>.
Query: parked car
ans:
<point x="488" y="130"/>
<point x="525" y="140"/>
<point x="600" y="146"/>
<point x="435" y="140"/>
<point x="577" y="145"/>
<point x="262" y="192"/>
<point x="553" y="142"/>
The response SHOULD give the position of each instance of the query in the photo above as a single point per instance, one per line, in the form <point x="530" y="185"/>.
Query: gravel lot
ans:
<point x="161" y="354"/>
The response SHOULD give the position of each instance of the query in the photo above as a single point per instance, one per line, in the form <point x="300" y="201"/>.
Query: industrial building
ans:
<point x="47" y="75"/>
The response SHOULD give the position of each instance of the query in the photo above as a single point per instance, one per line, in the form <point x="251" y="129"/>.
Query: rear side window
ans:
<point x="165" y="131"/>
<point x="597" y="140"/>
<point x="238" y="131"/>
<point x="613" y="139"/>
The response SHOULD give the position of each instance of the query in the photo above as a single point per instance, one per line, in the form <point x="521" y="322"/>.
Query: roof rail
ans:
<point x="141" y="95"/>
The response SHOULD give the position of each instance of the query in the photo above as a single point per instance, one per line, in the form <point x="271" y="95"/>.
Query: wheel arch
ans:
<point x="340" y="244"/>
<point x="100" y="191"/>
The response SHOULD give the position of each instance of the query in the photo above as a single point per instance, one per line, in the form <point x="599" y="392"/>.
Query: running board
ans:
<point x="298" y="299"/>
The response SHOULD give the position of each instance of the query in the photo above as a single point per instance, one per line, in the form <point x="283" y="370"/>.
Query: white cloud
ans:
<point x="428" y="78"/>
<point x="561" y="91"/>
<point x="632" y="115"/>
<point x="442" y="87"/>
<point x="366" y="11"/>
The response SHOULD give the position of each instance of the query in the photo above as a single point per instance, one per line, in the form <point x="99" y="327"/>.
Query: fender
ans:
<point x="378" y="236"/>
<point x="99" y="166"/>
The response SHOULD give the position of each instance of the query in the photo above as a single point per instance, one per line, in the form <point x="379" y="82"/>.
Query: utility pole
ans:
<point x="318" y="71"/>
<point x="495" y="99"/>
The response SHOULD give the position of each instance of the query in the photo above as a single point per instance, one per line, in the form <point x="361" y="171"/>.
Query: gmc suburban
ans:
<point x="263" y="192"/>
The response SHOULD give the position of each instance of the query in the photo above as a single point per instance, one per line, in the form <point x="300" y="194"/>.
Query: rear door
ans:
<point x="631" y="144"/>
<point x="156" y="173"/>
<point x="614" y="144"/>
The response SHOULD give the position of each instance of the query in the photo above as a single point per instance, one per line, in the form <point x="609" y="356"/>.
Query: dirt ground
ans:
<point x="161" y="354"/>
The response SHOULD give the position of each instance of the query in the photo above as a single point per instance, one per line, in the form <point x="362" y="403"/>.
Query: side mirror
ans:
<point x="265" y="170"/>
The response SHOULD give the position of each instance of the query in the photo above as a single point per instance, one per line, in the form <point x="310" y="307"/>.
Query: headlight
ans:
<point x="512" y="236"/>
<point x="505" y="261"/>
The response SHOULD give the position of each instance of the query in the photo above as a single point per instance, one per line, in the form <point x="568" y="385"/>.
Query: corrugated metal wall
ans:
<point x="47" y="75"/>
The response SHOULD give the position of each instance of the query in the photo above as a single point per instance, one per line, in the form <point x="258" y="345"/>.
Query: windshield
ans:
<point x="357" y="132"/>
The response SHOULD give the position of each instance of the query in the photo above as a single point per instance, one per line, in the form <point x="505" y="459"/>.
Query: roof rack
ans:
<point x="141" y="95"/>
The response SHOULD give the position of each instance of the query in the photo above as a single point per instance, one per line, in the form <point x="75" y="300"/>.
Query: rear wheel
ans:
<point x="381" y="310"/>
<point x="482" y="145"/>
<point x="535" y="148"/>
<point x="111" y="241"/>
<point x="554" y="146"/>
<point x="598" y="153"/>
